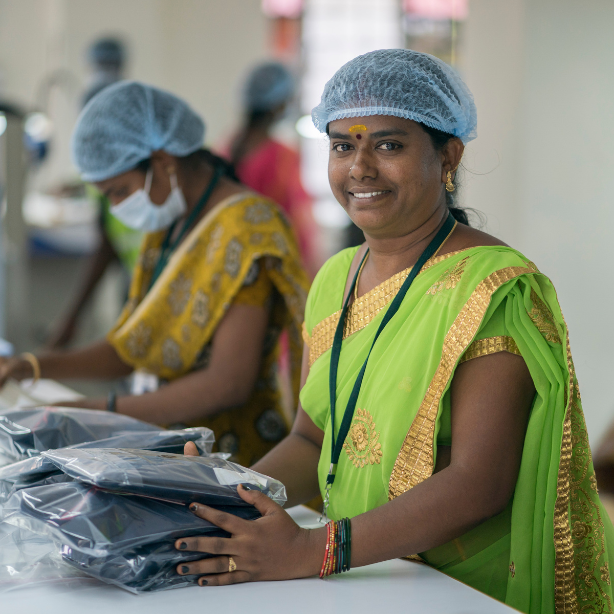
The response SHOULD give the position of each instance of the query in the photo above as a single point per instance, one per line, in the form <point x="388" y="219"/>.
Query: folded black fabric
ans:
<point x="28" y="432"/>
<point x="122" y="539"/>
<point x="39" y="470"/>
<point x="172" y="477"/>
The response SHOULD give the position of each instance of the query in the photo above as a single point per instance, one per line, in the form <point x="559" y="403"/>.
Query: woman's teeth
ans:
<point x="367" y="194"/>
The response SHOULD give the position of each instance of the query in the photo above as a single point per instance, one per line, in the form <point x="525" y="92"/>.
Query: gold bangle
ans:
<point x="36" y="367"/>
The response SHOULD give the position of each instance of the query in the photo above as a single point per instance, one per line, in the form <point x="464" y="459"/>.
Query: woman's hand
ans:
<point x="273" y="547"/>
<point x="14" y="367"/>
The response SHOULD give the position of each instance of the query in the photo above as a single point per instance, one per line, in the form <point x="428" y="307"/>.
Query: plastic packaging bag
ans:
<point x="28" y="559"/>
<point x="39" y="470"/>
<point x="172" y="477"/>
<point x="122" y="539"/>
<point x="28" y="432"/>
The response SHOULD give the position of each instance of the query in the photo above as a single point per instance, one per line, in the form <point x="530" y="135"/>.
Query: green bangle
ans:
<point x="341" y="548"/>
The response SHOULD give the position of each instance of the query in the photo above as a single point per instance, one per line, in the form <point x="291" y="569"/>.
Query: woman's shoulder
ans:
<point x="481" y="250"/>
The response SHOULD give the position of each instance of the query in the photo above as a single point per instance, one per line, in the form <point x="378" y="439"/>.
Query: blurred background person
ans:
<point x="106" y="60"/>
<point x="264" y="163"/>
<point x="217" y="281"/>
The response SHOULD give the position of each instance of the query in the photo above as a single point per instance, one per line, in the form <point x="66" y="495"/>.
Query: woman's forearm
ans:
<point x="190" y="398"/>
<point x="294" y="462"/>
<point x="96" y="361"/>
<point x="436" y="511"/>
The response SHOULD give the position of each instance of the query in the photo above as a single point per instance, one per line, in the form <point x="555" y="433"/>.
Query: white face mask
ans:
<point x="138" y="212"/>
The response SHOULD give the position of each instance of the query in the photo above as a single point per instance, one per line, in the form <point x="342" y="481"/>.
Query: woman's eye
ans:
<point x="389" y="146"/>
<point x="341" y="147"/>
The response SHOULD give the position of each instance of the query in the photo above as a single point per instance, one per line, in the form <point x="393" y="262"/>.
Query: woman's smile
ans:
<point x="368" y="195"/>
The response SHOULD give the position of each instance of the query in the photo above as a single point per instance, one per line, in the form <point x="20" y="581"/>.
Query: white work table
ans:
<point x="393" y="586"/>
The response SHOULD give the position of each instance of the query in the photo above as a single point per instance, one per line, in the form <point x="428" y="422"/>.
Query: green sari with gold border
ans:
<point x="551" y="549"/>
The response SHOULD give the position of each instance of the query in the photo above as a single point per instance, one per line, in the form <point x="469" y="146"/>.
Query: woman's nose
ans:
<point x="363" y="167"/>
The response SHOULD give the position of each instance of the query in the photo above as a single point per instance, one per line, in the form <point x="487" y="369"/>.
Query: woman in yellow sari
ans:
<point x="218" y="278"/>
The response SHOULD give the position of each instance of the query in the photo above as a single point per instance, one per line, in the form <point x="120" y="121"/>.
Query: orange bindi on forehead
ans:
<point x="358" y="128"/>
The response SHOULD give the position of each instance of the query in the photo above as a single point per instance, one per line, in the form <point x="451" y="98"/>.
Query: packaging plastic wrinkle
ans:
<point x="119" y="520"/>
<point x="172" y="477"/>
<point x="123" y="540"/>
<point x="39" y="471"/>
<point x="29" y="431"/>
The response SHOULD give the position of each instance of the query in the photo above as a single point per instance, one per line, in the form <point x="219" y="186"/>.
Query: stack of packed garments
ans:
<point x="120" y="516"/>
<point x="26" y="432"/>
<point x="39" y="471"/>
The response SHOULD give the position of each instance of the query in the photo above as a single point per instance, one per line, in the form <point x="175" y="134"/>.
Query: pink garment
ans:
<point x="273" y="169"/>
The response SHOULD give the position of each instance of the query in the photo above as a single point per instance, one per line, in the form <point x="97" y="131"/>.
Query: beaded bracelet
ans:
<point x="338" y="547"/>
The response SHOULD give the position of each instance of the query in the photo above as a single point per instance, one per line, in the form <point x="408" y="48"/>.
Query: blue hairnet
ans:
<point x="268" y="86"/>
<point x="125" y="123"/>
<point x="402" y="83"/>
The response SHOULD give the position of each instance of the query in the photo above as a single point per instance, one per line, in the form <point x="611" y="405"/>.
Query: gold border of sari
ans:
<point x="415" y="459"/>
<point x="362" y="311"/>
<point x="565" y="599"/>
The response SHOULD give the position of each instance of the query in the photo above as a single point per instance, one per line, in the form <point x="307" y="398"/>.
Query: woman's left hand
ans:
<point x="273" y="547"/>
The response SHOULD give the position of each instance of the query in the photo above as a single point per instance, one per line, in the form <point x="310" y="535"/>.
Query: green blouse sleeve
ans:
<point x="493" y="337"/>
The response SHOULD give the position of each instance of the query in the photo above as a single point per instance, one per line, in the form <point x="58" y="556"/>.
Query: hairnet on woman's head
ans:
<point x="402" y="83"/>
<point x="125" y="123"/>
<point x="268" y="86"/>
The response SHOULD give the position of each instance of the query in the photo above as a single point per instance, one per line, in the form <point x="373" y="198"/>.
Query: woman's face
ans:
<point x="386" y="173"/>
<point x="118" y="188"/>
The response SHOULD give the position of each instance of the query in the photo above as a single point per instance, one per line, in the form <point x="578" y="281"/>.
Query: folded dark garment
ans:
<point x="122" y="539"/>
<point x="172" y="477"/>
<point x="39" y="470"/>
<point x="28" y="432"/>
<point x="143" y="569"/>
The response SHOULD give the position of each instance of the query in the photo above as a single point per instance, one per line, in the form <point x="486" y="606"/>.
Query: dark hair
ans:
<point x="439" y="139"/>
<point x="255" y="120"/>
<point x="194" y="159"/>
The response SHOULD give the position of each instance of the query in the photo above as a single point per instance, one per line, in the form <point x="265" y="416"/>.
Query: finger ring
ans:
<point x="232" y="566"/>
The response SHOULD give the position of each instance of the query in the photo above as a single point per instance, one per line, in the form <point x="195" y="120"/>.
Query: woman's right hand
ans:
<point x="14" y="367"/>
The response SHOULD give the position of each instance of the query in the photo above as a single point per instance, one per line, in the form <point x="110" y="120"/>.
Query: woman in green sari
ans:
<point x="467" y="444"/>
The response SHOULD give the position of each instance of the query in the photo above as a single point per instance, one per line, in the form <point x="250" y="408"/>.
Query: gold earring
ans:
<point x="449" y="185"/>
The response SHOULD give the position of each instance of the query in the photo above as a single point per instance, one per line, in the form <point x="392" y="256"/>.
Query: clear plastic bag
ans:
<point x="28" y="559"/>
<point x="172" y="477"/>
<point x="121" y="539"/>
<point x="29" y="431"/>
<point x="39" y="470"/>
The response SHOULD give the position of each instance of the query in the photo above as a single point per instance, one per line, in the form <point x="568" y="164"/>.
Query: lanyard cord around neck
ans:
<point x="337" y="442"/>
<point x="167" y="249"/>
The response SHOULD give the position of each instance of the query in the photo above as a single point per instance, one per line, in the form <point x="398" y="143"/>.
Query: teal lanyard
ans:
<point x="337" y="442"/>
<point x="167" y="249"/>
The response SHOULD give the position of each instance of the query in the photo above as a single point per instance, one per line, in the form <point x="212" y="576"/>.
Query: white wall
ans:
<point x="199" y="49"/>
<point x="542" y="72"/>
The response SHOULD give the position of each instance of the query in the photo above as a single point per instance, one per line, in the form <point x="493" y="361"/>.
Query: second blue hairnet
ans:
<point x="268" y="86"/>
<point x="125" y="123"/>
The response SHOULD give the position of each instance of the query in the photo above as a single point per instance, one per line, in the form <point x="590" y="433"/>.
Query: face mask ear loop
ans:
<point x="148" y="180"/>
<point x="173" y="179"/>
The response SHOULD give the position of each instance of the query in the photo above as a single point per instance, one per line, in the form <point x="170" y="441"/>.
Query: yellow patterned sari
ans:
<point x="242" y="251"/>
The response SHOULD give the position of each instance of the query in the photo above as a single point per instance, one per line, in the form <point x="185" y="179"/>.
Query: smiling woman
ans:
<point x="439" y="408"/>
